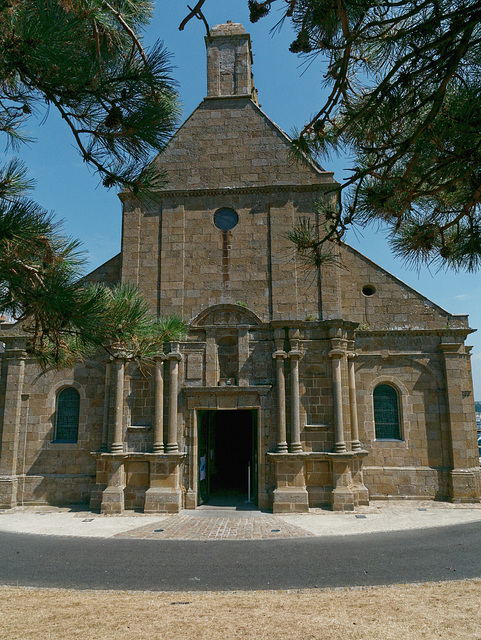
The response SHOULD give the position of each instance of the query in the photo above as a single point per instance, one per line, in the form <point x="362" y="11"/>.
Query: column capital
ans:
<point x="451" y="347"/>
<point x="15" y="354"/>
<point x="120" y="353"/>
<point x="295" y="354"/>
<point x="336" y="353"/>
<point x="15" y="346"/>
<point x="352" y="355"/>
<point x="174" y="355"/>
<point x="279" y="355"/>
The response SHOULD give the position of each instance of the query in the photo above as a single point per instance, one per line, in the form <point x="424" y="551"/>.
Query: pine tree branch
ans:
<point x="196" y="12"/>
<point x="129" y="30"/>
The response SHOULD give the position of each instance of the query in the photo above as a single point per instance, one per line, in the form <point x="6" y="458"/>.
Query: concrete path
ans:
<point x="224" y="523"/>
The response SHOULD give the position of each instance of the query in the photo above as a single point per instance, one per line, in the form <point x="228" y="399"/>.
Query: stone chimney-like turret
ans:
<point x="229" y="62"/>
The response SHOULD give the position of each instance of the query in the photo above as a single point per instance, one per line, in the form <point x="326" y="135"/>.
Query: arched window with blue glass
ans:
<point x="386" y="412"/>
<point x="67" y="415"/>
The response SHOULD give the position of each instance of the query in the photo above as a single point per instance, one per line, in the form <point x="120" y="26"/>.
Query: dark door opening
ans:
<point x="227" y="455"/>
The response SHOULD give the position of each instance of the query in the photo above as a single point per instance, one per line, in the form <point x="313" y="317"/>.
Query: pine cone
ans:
<point x="258" y="9"/>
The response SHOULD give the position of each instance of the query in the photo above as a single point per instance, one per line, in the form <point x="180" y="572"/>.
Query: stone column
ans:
<point x="14" y="369"/>
<point x="105" y="425"/>
<point x="355" y="443"/>
<point x="280" y="356"/>
<point x="336" y="355"/>
<point x="295" y="355"/>
<point x="118" y="442"/>
<point x="461" y="421"/>
<point x="159" y="406"/>
<point x="174" y="357"/>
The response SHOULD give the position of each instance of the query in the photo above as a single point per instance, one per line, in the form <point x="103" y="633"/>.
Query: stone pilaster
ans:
<point x="113" y="495"/>
<point x="159" y="406"/>
<point x="243" y="355"/>
<point x="342" y="497"/>
<point x="174" y="357"/>
<point x="14" y="356"/>
<point x="461" y="420"/>
<point x="211" y="359"/>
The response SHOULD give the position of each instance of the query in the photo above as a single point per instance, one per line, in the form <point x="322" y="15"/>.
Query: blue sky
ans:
<point x="289" y="92"/>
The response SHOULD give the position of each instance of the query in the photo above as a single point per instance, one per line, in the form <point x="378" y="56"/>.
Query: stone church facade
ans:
<point x="305" y="389"/>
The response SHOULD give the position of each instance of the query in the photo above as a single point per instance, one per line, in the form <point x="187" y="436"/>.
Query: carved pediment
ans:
<point x="226" y="315"/>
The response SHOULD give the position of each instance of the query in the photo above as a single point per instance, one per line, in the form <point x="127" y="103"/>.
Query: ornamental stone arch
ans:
<point x="226" y="315"/>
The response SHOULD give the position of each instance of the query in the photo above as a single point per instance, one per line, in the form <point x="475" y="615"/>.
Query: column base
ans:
<point x="117" y="447"/>
<point x="159" y="500"/>
<point x="361" y="495"/>
<point x="342" y="499"/>
<point x="296" y="447"/>
<point x="96" y="496"/>
<point x="290" y="500"/>
<point x="465" y="485"/>
<point x="113" y="501"/>
<point x="172" y="447"/>
<point x="8" y="492"/>
<point x="190" y="499"/>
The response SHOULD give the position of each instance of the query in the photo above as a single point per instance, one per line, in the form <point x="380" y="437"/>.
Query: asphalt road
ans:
<point x="444" y="553"/>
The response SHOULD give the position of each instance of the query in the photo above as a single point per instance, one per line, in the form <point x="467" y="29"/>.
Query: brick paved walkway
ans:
<point x="185" y="527"/>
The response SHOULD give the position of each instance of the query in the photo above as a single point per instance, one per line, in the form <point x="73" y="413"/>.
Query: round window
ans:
<point x="369" y="290"/>
<point x="225" y="219"/>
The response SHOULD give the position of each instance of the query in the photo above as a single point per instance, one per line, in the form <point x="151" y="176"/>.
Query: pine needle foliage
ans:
<point x="84" y="58"/>
<point x="404" y="98"/>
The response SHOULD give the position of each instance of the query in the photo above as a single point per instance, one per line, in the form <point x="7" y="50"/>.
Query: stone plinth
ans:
<point x="290" y="494"/>
<point x="164" y="494"/>
<point x="162" y="476"/>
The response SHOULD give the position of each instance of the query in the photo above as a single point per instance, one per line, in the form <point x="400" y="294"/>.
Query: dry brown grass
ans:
<point x="445" y="610"/>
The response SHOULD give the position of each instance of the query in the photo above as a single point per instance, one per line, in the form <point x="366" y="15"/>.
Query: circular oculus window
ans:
<point x="225" y="219"/>
<point x="369" y="290"/>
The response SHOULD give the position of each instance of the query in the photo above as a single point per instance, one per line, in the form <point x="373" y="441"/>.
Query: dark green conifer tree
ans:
<point x="84" y="58"/>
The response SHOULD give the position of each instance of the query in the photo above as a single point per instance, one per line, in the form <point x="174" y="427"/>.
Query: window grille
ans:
<point x="68" y="409"/>
<point x="386" y="413"/>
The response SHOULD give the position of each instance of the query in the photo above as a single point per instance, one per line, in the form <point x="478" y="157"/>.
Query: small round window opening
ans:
<point x="225" y="219"/>
<point x="369" y="290"/>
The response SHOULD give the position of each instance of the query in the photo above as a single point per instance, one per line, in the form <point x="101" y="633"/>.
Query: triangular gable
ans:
<point x="229" y="143"/>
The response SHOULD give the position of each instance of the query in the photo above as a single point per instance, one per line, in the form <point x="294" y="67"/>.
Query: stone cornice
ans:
<point x="318" y="455"/>
<point x="261" y="389"/>
<point x="228" y="191"/>
<point x="459" y="331"/>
